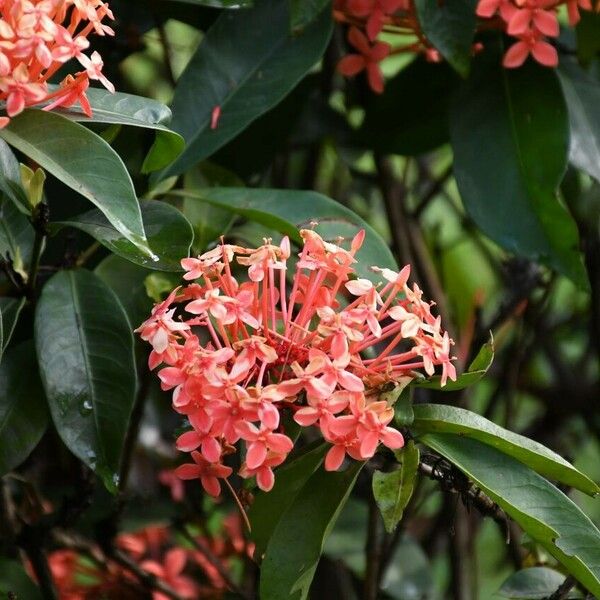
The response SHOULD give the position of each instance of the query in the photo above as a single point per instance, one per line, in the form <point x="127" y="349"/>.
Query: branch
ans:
<point x="563" y="589"/>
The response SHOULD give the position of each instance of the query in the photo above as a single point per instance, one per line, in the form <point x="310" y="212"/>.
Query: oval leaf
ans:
<point x="23" y="413"/>
<point x="288" y="210"/>
<point x="519" y="116"/>
<point x="536" y="583"/>
<point x="169" y="235"/>
<point x="439" y="418"/>
<point x="297" y="542"/>
<point x="10" y="309"/>
<point x="134" y="111"/>
<point x="83" y="161"/>
<point x="247" y="62"/>
<point x="85" y="351"/>
<point x="393" y="490"/>
<point x="542" y="510"/>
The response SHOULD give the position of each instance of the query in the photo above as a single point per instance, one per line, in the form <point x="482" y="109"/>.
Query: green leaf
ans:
<point x="10" y="309"/>
<point x="10" y="179"/>
<point x="543" y="511"/>
<point x="411" y="116"/>
<point x="83" y="161"/>
<point x="14" y="578"/>
<point x="247" y="62"/>
<point x="536" y="583"/>
<point x="440" y="418"/>
<point x="169" y="234"/>
<point x="582" y="93"/>
<point x="85" y="351"/>
<point x="23" y="413"/>
<point x="296" y="545"/>
<point x="477" y="369"/>
<point x="450" y="27"/>
<point x="519" y="116"/>
<point x="268" y="507"/>
<point x="134" y="111"/>
<point x="304" y="12"/>
<point x="288" y="210"/>
<point x="393" y="490"/>
<point x="16" y="235"/>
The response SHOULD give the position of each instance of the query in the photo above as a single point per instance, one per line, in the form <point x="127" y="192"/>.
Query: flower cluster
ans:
<point x="252" y="343"/>
<point x="189" y="572"/>
<point x="36" y="38"/>
<point x="531" y="22"/>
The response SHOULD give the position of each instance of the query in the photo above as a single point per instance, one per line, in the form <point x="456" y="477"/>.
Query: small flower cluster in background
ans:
<point x="36" y="38"/>
<point x="531" y="22"/>
<point x="187" y="567"/>
<point x="252" y="345"/>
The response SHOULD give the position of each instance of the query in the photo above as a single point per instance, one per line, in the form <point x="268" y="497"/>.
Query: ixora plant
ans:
<point x="215" y="384"/>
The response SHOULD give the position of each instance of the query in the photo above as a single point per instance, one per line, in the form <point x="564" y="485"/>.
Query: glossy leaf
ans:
<point x="519" y="116"/>
<point x="393" y="490"/>
<point x="288" y="210"/>
<point x="169" y="234"/>
<point x="477" y="369"/>
<point x="582" y="93"/>
<point x="134" y="111"/>
<point x="440" y="418"/>
<point x="247" y="62"/>
<point x="450" y="27"/>
<point x="535" y="583"/>
<point x="411" y="116"/>
<point x="588" y="36"/>
<point x="268" y="507"/>
<point x="16" y="235"/>
<point x="85" y="351"/>
<point x="542" y="510"/>
<point x="23" y="413"/>
<point x="304" y="12"/>
<point x="296" y="544"/>
<point x="83" y="161"/>
<point x="10" y="309"/>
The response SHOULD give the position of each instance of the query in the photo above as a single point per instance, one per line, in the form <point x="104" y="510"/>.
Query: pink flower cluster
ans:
<point x="531" y="22"/>
<point x="247" y="341"/>
<point x="36" y="38"/>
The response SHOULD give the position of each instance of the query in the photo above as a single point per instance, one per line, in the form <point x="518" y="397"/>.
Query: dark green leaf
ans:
<point x="582" y="93"/>
<point x="85" y="351"/>
<point x="83" y="161"/>
<point x="536" y="583"/>
<point x="169" y="235"/>
<point x="287" y="210"/>
<point x="439" y="418"/>
<point x="393" y="490"/>
<point x="588" y="36"/>
<point x="543" y="511"/>
<point x="304" y="12"/>
<point x="297" y="542"/>
<point x="14" y="578"/>
<point x="411" y="116"/>
<point x="450" y="27"/>
<point x="134" y="111"/>
<point x="268" y="507"/>
<point x="477" y="369"/>
<point x="23" y="413"/>
<point x="247" y="62"/>
<point x="519" y="116"/>
<point x="10" y="309"/>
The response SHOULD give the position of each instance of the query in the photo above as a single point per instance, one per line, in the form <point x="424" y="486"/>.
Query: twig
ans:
<point x="40" y="217"/>
<point x="373" y="552"/>
<point x="434" y="189"/>
<point x="563" y="589"/>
